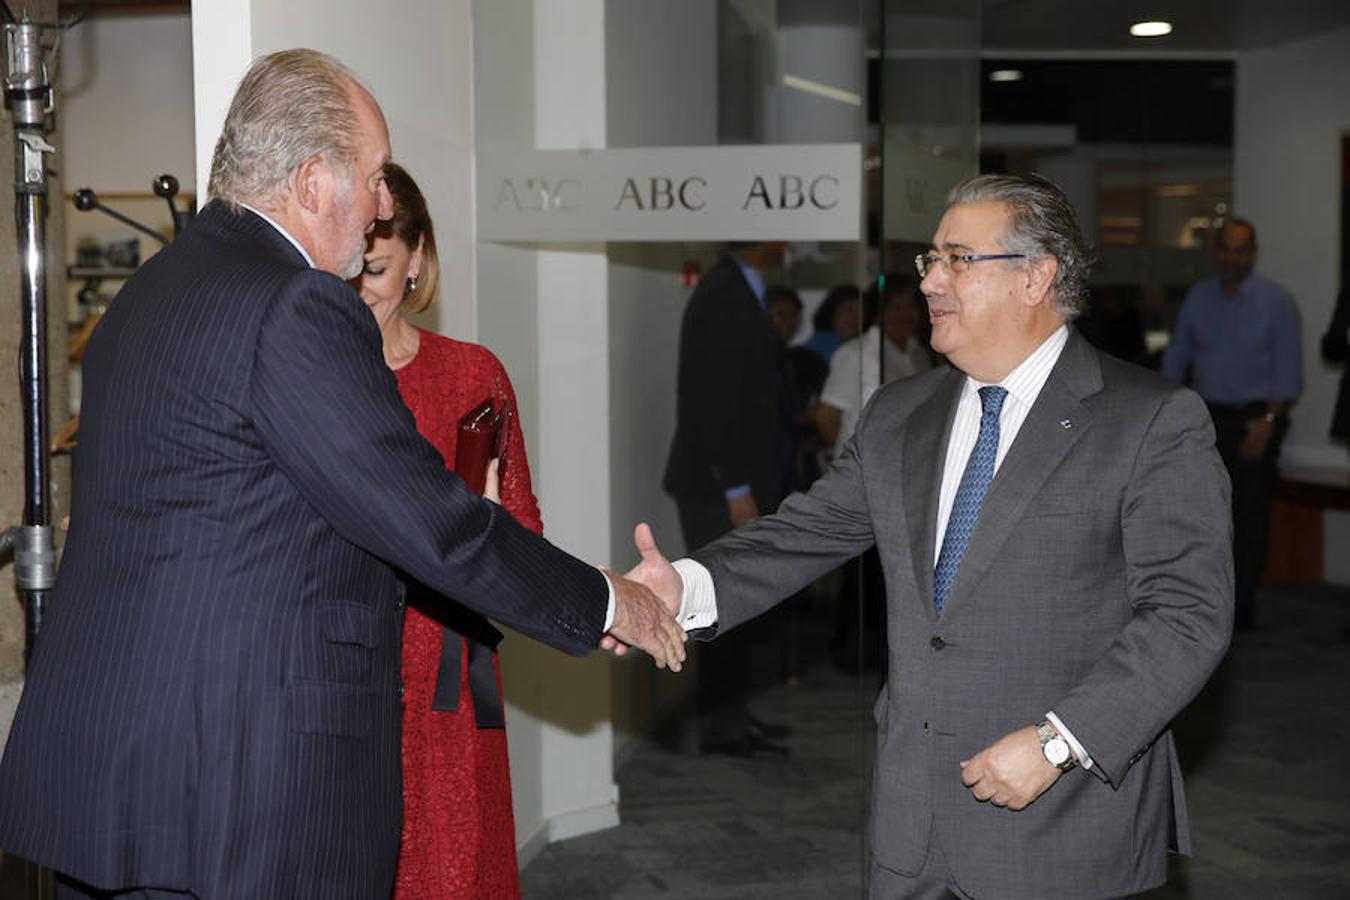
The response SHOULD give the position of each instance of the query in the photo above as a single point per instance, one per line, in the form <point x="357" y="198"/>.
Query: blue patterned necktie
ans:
<point x="969" y="495"/>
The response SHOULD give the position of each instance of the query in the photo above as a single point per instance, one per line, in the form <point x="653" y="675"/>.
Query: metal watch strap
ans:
<point x="1047" y="733"/>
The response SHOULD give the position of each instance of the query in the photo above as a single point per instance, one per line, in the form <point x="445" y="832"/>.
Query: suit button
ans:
<point x="937" y="643"/>
<point x="925" y="728"/>
<point x="400" y="689"/>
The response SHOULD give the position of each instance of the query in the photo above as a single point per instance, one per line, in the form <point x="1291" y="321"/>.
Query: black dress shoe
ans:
<point x="750" y="746"/>
<point x="769" y="730"/>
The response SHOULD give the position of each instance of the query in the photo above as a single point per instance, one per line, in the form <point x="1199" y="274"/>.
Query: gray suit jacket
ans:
<point x="1097" y="584"/>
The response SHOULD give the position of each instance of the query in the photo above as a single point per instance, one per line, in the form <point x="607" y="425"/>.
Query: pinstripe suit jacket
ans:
<point x="1097" y="584"/>
<point x="214" y="704"/>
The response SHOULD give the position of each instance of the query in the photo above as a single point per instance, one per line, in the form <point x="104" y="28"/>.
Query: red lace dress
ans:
<point x="458" y="832"/>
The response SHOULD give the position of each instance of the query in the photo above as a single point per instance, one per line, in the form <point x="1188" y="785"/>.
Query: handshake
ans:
<point x="646" y="601"/>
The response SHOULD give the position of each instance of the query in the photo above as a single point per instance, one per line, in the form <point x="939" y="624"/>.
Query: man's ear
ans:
<point x="1040" y="278"/>
<point x="309" y="181"/>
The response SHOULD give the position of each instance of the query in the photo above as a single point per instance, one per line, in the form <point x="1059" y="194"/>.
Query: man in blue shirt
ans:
<point x="1238" y="337"/>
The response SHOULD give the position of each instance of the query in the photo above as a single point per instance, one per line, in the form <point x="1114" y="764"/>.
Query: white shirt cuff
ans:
<point x="1079" y="752"/>
<point x="609" y="611"/>
<point x="698" y="602"/>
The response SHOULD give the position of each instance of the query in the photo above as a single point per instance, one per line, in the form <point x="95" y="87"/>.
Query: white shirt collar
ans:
<point x="284" y="233"/>
<point x="1024" y="383"/>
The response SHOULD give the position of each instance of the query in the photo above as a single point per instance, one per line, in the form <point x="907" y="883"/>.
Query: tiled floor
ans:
<point x="1264" y="749"/>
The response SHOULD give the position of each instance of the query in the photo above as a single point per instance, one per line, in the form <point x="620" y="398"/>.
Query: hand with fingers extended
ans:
<point x="654" y="571"/>
<point x="642" y="620"/>
<point x="1011" y="772"/>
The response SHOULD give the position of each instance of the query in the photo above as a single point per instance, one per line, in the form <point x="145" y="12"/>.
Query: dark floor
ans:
<point x="1263" y="747"/>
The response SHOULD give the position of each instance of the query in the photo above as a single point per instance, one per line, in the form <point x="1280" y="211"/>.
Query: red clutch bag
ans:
<point x="482" y="436"/>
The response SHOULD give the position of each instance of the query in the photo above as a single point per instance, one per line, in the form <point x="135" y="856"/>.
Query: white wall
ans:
<point x="540" y="82"/>
<point x="1292" y="112"/>
<point x="125" y="112"/>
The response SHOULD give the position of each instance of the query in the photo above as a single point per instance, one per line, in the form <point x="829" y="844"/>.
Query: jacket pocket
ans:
<point x="349" y="623"/>
<point x="342" y="643"/>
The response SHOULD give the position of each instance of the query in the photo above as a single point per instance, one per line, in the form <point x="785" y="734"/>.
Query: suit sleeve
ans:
<point x="328" y="412"/>
<point x="1177" y="535"/>
<point x="773" y="557"/>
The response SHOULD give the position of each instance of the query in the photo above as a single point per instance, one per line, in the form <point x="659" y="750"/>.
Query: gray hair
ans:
<point x="1043" y="224"/>
<point x="290" y="106"/>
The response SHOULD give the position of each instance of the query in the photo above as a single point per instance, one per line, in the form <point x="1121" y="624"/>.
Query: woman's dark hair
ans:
<point x="823" y="320"/>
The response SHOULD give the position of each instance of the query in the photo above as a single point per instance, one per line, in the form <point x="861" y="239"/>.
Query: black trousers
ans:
<point x="723" y="664"/>
<point x="1253" y="483"/>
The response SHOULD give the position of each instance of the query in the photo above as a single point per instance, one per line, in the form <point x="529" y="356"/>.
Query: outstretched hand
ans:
<point x="642" y="620"/>
<point x="654" y="571"/>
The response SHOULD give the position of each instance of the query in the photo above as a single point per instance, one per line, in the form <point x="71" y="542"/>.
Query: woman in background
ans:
<point x="838" y="318"/>
<point x="458" y="832"/>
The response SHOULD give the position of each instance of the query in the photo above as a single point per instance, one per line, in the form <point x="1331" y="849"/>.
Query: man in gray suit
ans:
<point x="1054" y="532"/>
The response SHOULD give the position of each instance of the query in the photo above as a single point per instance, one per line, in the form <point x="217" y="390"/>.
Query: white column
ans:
<point x="579" y="793"/>
<point x="222" y="48"/>
<point x="540" y="70"/>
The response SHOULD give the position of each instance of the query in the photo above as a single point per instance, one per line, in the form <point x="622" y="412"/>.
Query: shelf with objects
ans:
<point x="108" y="255"/>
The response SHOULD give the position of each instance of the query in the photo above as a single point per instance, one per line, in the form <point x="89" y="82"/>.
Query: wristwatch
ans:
<point x="1054" y="747"/>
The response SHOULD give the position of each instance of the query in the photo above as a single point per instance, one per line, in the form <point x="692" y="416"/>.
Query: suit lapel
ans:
<point x="1041" y="445"/>
<point x="925" y="452"/>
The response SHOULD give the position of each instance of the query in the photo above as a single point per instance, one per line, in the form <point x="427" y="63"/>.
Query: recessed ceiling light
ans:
<point x="1006" y="75"/>
<point x="1150" y="29"/>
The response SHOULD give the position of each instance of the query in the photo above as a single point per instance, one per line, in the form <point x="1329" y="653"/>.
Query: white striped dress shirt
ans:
<point x="1024" y="385"/>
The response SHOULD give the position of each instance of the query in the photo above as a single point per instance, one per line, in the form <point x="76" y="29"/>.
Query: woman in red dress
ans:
<point x="458" y="832"/>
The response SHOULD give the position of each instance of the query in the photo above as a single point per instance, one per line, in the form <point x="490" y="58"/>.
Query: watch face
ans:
<point x="1057" y="751"/>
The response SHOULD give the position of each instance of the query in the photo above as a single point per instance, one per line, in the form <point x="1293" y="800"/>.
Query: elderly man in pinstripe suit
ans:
<point x="213" y="709"/>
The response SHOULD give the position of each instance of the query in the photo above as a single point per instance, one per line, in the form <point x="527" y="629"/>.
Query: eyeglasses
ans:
<point x="956" y="263"/>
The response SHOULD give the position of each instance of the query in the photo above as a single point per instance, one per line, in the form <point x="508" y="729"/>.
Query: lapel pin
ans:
<point x="1065" y="424"/>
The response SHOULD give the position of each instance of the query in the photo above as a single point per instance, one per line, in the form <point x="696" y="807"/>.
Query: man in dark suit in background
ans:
<point x="730" y="459"/>
<point x="1053" y="527"/>
<point x="213" y="709"/>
